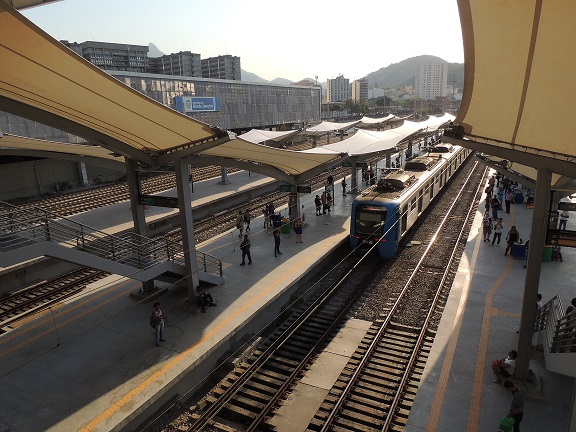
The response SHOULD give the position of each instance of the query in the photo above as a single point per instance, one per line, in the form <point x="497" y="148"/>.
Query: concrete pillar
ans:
<point x="83" y="173"/>
<point x="224" y="176"/>
<point x="138" y="216"/>
<point x="535" y="252"/>
<point x="354" y="177"/>
<point x="187" y="225"/>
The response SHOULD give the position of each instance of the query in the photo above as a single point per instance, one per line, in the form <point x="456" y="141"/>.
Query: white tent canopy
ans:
<point x="365" y="142"/>
<point x="369" y="121"/>
<point x="257" y="136"/>
<point x="325" y="127"/>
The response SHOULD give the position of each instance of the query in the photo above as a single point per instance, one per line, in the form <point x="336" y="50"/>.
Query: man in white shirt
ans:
<point x="505" y="367"/>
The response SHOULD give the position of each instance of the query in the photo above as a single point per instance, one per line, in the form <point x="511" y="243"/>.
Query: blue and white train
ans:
<point x="385" y="212"/>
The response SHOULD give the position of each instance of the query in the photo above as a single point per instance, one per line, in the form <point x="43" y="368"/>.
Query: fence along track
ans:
<point x="377" y="388"/>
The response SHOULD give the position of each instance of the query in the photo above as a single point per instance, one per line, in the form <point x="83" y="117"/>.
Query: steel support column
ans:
<point x="138" y="216"/>
<point x="535" y="252"/>
<point x="224" y="176"/>
<point x="354" y="176"/>
<point x="187" y="226"/>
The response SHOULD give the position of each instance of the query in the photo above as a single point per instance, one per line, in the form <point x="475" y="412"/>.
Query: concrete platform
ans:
<point x="91" y="363"/>
<point x="479" y="324"/>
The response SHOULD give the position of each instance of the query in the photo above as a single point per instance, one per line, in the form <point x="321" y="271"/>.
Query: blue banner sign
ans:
<point x="186" y="104"/>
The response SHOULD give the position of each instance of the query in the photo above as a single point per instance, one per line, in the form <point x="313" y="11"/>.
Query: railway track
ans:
<point x="17" y="306"/>
<point x="385" y="371"/>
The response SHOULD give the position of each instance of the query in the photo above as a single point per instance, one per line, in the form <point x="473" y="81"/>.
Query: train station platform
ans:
<point x="480" y="322"/>
<point x="91" y="364"/>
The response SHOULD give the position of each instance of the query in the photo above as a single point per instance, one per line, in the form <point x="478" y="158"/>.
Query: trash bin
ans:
<point x="519" y="197"/>
<point x="285" y="229"/>
<point x="547" y="253"/>
<point x="518" y="250"/>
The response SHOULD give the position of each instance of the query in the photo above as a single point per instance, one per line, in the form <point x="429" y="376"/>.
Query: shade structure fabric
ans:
<point x="369" y="121"/>
<point x="325" y="127"/>
<point x="24" y="143"/>
<point x="524" y="170"/>
<point x="366" y="142"/>
<point x="293" y="163"/>
<point x="519" y="84"/>
<point x="48" y="81"/>
<point x="259" y="136"/>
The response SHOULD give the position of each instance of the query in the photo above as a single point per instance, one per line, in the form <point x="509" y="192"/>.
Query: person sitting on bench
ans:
<point x="204" y="299"/>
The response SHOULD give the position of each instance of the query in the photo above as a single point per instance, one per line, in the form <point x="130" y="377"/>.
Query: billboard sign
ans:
<point x="186" y="104"/>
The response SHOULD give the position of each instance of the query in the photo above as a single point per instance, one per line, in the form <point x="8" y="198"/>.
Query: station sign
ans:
<point x="285" y="188"/>
<point x="348" y="164"/>
<point x="568" y="206"/>
<point x="158" y="201"/>
<point x="299" y="189"/>
<point x="561" y="238"/>
<point x="187" y="104"/>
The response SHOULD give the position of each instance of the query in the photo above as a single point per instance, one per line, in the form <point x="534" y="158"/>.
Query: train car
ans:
<point x="384" y="213"/>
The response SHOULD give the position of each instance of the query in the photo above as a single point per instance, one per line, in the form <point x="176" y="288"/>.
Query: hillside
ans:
<point x="393" y="76"/>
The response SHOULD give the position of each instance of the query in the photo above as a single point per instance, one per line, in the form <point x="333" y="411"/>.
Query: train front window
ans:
<point x="370" y="220"/>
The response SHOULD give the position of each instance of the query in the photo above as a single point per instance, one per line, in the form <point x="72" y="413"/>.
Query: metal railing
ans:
<point x="23" y="227"/>
<point x="560" y="327"/>
<point x="209" y="263"/>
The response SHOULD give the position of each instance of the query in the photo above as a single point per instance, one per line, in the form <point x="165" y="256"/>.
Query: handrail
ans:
<point x="20" y="227"/>
<point x="207" y="261"/>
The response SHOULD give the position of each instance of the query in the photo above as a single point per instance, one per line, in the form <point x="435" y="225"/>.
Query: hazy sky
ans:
<point x="293" y="40"/>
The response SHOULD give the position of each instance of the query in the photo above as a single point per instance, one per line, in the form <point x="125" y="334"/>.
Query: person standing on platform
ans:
<point x="517" y="405"/>
<point x="329" y="201"/>
<point x="496" y="205"/>
<point x="563" y="220"/>
<point x="344" y="186"/>
<point x="508" y="198"/>
<point x="498" y="228"/>
<point x="157" y="319"/>
<point x="266" y="217"/>
<point x="298" y="230"/>
<point x="247" y="219"/>
<point x="318" y="204"/>
<point x="511" y="238"/>
<point x="245" y="248"/>
<point x="240" y="223"/>
<point x="277" y="242"/>
<point x="323" y="199"/>
<point x="487" y="227"/>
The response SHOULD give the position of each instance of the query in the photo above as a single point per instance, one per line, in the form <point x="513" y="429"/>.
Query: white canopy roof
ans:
<point x="330" y="127"/>
<point x="365" y="142"/>
<point x="369" y="121"/>
<point x="257" y="136"/>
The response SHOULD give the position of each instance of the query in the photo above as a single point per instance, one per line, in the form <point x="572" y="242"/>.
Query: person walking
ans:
<point x="245" y="248"/>
<point x="498" y="228"/>
<point x="297" y="225"/>
<point x="240" y="223"/>
<point x="318" y="204"/>
<point x="247" y="219"/>
<point x="344" y="184"/>
<point x="508" y="198"/>
<point x="512" y="238"/>
<point x="157" y="319"/>
<point x="517" y="405"/>
<point x="277" y="242"/>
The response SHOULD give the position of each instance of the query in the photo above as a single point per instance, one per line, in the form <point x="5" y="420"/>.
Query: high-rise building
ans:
<point x="222" y="67"/>
<point x="112" y="56"/>
<point x="431" y="80"/>
<point x="360" y="90"/>
<point x="338" y="89"/>
<point x="183" y="63"/>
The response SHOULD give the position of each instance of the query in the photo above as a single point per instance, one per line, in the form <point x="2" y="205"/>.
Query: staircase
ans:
<point x="556" y="332"/>
<point x="27" y="233"/>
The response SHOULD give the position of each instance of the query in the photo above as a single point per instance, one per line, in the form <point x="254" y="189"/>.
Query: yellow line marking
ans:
<point x="161" y="373"/>
<point x="442" y="384"/>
